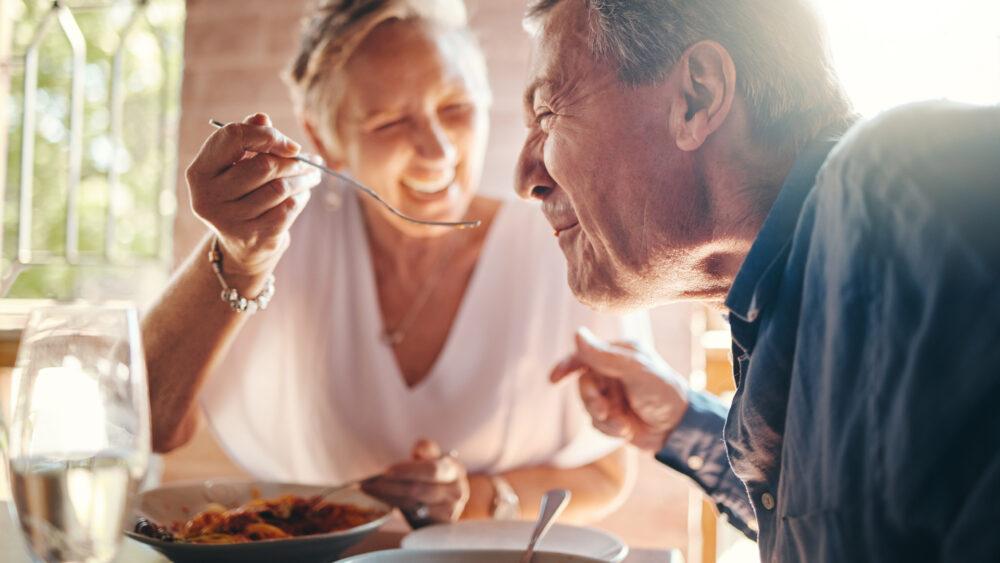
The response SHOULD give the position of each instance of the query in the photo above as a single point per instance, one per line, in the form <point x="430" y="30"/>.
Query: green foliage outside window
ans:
<point x="145" y="162"/>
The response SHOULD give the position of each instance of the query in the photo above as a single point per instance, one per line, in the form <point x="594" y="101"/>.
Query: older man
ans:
<point x="697" y="150"/>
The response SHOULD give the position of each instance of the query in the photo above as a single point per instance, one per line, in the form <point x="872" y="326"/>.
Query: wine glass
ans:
<point x="80" y="431"/>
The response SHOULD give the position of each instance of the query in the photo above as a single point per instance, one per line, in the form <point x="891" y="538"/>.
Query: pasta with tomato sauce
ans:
<point x="262" y="519"/>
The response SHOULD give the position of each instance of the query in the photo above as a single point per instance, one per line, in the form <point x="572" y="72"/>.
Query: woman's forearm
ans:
<point x="596" y="488"/>
<point x="185" y="335"/>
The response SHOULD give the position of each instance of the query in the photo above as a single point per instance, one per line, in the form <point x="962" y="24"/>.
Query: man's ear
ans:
<point x="706" y="77"/>
<point x="322" y="147"/>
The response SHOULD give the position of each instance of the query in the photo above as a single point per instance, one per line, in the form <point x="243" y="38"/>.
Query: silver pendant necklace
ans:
<point x="395" y="335"/>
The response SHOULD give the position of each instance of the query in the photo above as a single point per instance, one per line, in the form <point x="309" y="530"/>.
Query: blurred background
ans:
<point x="103" y="103"/>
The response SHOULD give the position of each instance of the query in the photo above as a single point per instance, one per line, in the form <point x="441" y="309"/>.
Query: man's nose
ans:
<point x="532" y="180"/>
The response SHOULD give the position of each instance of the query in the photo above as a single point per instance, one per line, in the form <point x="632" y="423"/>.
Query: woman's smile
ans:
<point x="428" y="197"/>
<point x="429" y="186"/>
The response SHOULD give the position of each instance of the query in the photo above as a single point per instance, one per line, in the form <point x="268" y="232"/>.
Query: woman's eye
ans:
<point x="386" y="125"/>
<point x="456" y="109"/>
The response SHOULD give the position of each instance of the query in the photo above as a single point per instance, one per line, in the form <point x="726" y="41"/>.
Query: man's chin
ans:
<point x="602" y="295"/>
<point x="596" y="283"/>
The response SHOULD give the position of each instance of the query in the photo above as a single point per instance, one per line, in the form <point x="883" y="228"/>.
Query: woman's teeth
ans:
<point x="427" y="187"/>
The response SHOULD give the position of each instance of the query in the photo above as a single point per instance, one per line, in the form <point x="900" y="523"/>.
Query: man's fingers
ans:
<point x="566" y="368"/>
<point x="602" y="356"/>
<point x="608" y="358"/>
<point x="593" y="397"/>
<point x="604" y="398"/>
<point x="616" y="428"/>
<point x="228" y="145"/>
<point x="631" y="345"/>
<point x="620" y="418"/>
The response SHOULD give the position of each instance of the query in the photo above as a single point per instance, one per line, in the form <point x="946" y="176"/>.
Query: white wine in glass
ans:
<point x="79" y="438"/>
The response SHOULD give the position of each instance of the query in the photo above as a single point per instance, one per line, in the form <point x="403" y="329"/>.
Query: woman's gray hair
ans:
<point x="783" y="69"/>
<point x="335" y="29"/>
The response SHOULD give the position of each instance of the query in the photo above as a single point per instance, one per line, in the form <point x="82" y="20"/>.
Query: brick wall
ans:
<point x="234" y="53"/>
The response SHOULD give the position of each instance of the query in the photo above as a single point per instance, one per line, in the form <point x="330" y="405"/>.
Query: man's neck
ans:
<point x="745" y="189"/>
<point x="742" y="194"/>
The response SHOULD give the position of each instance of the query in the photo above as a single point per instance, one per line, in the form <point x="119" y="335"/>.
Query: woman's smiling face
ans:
<point x="412" y="121"/>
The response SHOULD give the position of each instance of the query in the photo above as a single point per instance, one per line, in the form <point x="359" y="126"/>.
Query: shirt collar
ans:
<point x="770" y="249"/>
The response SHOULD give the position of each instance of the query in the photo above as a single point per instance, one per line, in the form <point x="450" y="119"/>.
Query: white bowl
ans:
<point x="179" y="502"/>
<point x="464" y="556"/>
<point x="512" y="534"/>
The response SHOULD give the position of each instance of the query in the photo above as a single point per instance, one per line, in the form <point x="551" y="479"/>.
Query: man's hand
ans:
<point x="630" y="393"/>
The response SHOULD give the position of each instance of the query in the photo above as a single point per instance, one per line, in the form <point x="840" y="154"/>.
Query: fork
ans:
<point x="374" y="195"/>
<point x="229" y="495"/>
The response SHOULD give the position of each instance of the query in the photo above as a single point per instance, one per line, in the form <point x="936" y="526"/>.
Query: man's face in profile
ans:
<point x="623" y="201"/>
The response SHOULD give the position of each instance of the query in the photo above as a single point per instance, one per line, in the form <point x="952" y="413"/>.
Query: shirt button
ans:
<point x="696" y="462"/>
<point x="767" y="500"/>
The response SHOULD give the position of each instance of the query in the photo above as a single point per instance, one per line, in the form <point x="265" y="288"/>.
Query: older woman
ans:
<point x="378" y="332"/>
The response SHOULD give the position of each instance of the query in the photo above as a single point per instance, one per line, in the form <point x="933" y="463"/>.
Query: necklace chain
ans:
<point x="395" y="336"/>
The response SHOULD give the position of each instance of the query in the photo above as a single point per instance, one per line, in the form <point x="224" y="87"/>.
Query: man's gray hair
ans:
<point x="783" y="69"/>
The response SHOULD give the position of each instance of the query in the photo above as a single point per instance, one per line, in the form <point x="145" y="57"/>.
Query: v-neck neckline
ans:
<point x="371" y="294"/>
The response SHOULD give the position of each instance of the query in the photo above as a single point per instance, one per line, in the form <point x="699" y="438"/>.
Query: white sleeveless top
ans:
<point x="309" y="392"/>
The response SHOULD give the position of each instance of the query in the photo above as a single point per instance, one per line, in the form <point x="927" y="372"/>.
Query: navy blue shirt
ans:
<point x="866" y="343"/>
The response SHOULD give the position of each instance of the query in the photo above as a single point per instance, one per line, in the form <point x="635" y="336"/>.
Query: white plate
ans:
<point x="178" y="502"/>
<point x="511" y="534"/>
<point x="463" y="556"/>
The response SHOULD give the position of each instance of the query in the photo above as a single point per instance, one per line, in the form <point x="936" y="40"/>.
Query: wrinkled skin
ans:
<point x="630" y="392"/>
<point x="246" y="186"/>
<point x="431" y="487"/>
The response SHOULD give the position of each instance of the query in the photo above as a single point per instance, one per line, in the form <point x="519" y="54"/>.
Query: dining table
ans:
<point x="13" y="550"/>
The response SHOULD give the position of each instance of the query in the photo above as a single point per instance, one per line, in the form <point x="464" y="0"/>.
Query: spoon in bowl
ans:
<point x="553" y="504"/>
<point x="374" y="195"/>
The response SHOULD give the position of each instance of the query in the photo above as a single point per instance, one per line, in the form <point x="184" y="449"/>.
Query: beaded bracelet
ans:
<point x="230" y="295"/>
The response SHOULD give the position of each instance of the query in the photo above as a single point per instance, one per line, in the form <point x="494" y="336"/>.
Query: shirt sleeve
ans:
<point x="696" y="449"/>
